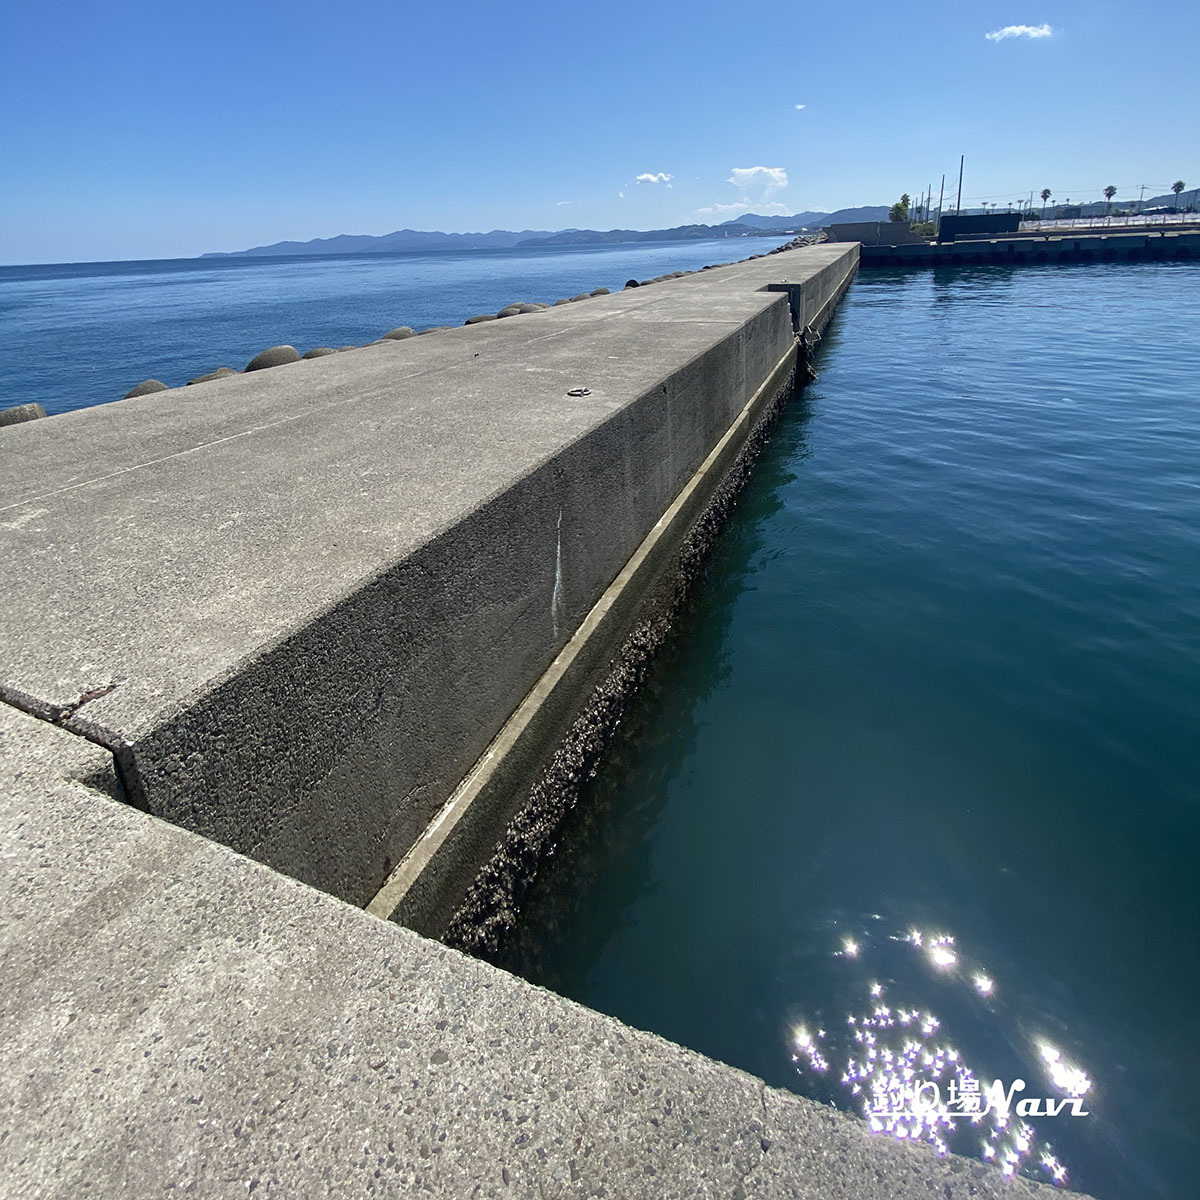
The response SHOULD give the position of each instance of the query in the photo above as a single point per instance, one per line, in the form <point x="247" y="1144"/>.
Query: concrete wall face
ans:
<point x="1059" y="247"/>
<point x="875" y="233"/>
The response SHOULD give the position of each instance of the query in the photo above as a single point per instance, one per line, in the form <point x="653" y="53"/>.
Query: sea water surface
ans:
<point x="79" y="334"/>
<point x="913" y="796"/>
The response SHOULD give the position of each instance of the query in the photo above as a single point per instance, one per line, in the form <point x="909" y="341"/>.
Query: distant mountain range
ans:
<point x="814" y="220"/>
<point x="680" y="233"/>
<point x="402" y="239"/>
<point x="746" y="225"/>
<point x="749" y="225"/>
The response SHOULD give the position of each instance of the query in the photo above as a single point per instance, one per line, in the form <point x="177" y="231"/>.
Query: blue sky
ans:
<point x="150" y="130"/>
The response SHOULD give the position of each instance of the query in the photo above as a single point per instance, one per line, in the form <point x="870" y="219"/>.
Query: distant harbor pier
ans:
<point x="893" y="244"/>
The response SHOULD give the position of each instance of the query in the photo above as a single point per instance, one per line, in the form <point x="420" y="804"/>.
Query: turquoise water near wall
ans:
<point x="80" y="334"/>
<point x="914" y="788"/>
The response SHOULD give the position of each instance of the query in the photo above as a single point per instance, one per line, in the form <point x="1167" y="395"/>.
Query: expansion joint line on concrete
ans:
<point x="821" y="318"/>
<point x="66" y="716"/>
<point x="638" y="573"/>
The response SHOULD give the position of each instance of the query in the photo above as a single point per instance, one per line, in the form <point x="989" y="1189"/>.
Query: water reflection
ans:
<point x="895" y="1062"/>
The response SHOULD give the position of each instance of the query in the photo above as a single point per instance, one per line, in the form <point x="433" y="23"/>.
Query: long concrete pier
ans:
<point x="262" y="639"/>
<point x="299" y="604"/>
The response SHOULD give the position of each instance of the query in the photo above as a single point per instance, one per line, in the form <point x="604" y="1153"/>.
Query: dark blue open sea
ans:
<point x="914" y="795"/>
<point x="78" y="334"/>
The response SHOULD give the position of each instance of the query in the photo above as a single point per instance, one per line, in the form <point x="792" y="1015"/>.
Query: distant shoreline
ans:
<point x="746" y="225"/>
<point x="244" y="258"/>
<point x="419" y="240"/>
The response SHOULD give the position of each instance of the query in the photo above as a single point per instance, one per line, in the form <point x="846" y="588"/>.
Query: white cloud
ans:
<point x="766" y="179"/>
<point x="774" y="209"/>
<point x="712" y="210"/>
<point x="655" y="177"/>
<point x="757" y="185"/>
<point x="620" y="195"/>
<point x="1018" y="31"/>
<point x="561" y="203"/>
<point x="800" y="106"/>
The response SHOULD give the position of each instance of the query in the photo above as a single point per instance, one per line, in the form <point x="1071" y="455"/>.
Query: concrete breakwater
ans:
<point x="1077" y="246"/>
<point x="291" y="622"/>
<point x="276" y="356"/>
<point x="299" y="613"/>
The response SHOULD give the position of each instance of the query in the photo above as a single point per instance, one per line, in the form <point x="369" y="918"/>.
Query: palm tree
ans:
<point x="1177" y="187"/>
<point x="1109" y="193"/>
<point x="1046" y="194"/>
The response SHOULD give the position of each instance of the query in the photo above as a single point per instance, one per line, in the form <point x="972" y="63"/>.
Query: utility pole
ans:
<point x="1140" y="198"/>
<point x="938" y="230"/>
<point x="962" y="158"/>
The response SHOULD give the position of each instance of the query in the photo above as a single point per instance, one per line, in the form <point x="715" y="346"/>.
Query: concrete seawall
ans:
<point x="287" y="617"/>
<point x="301" y="606"/>
<point x="1024" y="249"/>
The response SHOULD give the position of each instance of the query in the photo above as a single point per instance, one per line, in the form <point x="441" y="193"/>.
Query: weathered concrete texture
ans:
<point x="19" y="413"/>
<point x="148" y="387"/>
<point x="1029" y="248"/>
<point x="212" y="376"/>
<point x="875" y="233"/>
<point x="179" y="1019"/>
<point x="275" y="356"/>
<point x="307" y="604"/>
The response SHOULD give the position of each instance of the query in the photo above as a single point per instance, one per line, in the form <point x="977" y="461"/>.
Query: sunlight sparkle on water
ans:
<point x="805" y="1045"/>
<point x="911" y="1082"/>
<point x="1065" y="1077"/>
<point x="940" y="953"/>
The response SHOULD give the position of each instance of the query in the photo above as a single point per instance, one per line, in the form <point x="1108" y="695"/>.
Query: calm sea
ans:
<point x="85" y="333"/>
<point x="914" y="795"/>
